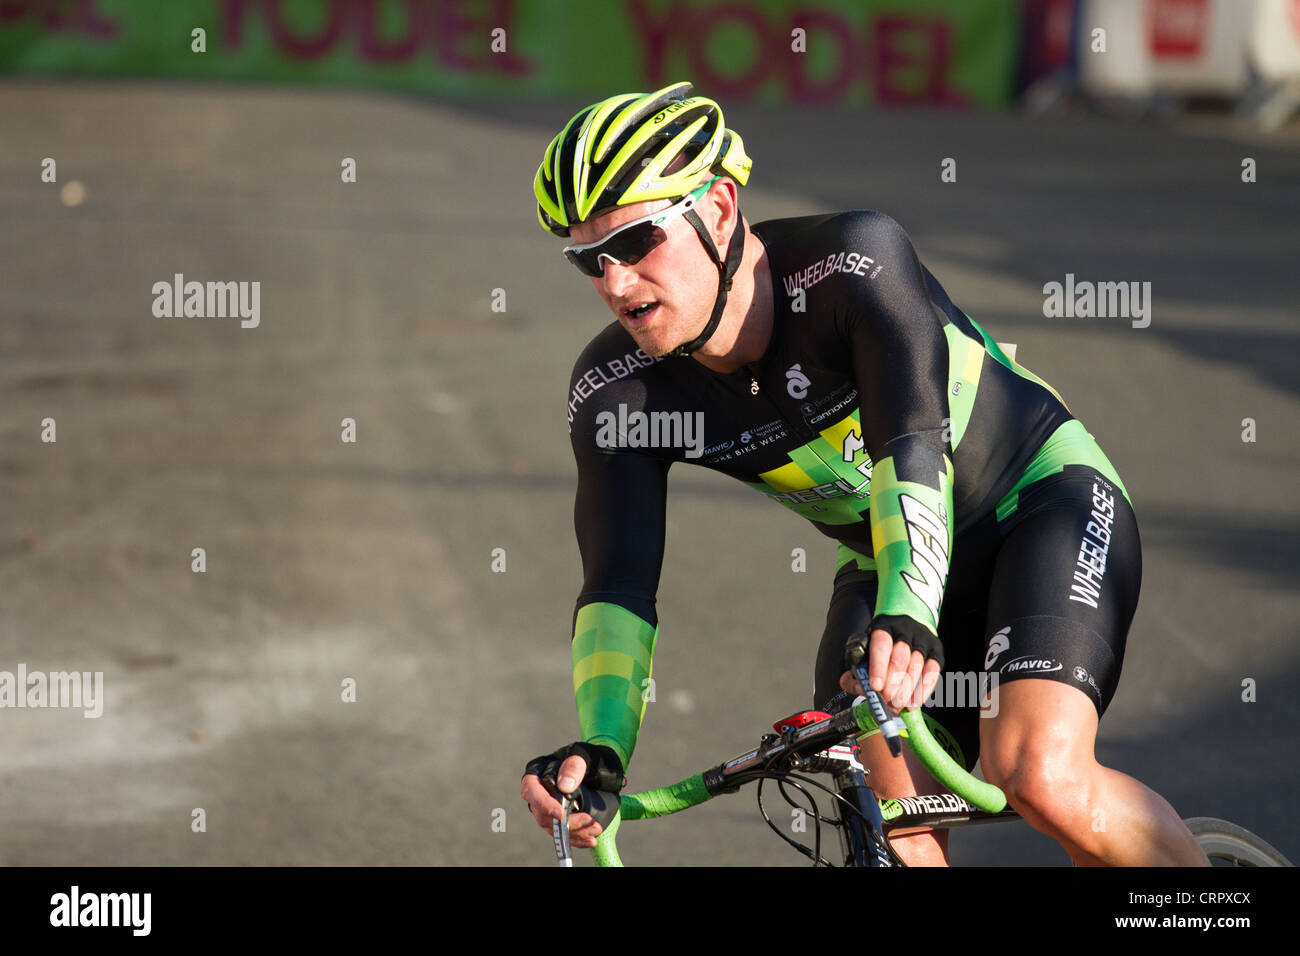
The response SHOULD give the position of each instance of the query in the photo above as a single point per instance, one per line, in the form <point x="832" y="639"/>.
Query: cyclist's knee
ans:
<point x="1046" y="788"/>
<point x="1049" y="785"/>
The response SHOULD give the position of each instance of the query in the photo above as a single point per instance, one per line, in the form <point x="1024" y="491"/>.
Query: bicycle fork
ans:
<point x="862" y="846"/>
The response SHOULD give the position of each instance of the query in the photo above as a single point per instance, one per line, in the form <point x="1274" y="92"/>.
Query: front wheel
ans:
<point x="1227" y="844"/>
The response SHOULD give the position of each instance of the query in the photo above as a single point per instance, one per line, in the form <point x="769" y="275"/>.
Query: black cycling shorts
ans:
<point x="1047" y="593"/>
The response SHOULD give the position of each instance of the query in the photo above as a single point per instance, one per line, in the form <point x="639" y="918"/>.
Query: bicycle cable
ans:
<point x="879" y="841"/>
<point x="782" y="778"/>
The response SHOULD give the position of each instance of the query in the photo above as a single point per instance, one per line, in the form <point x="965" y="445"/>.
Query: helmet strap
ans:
<point x="726" y="272"/>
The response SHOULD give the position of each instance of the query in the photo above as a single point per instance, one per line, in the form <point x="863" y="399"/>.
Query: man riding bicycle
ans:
<point x="832" y="373"/>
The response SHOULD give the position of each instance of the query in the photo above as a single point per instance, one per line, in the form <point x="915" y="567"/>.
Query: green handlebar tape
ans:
<point x="946" y="770"/>
<point x="942" y="767"/>
<point x="659" y="803"/>
<point x="641" y="806"/>
<point x="605" y="852"/>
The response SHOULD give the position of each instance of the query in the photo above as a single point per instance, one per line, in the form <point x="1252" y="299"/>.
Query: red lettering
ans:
<point x="377" y="49"/>
<point x="52" y="16"/>
<point x="654" y="37"/>
<point x="802" y="88"/>
<point x="907" y="46"/>
<point x="232" y="24"/>
<point x="1177" y="27"/>
<point x="697" y="44"/>
<point x="1057" y="32"/>
<point x="11" y="10"/>
<point x="303" y="47"/>
<point x="449" y="28"/>
<point x="92" y="22"/>
<point x="73" y="15"/>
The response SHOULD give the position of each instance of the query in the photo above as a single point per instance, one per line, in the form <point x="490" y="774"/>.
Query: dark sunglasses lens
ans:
<point x="586" y="262"/>
<point x="629" y="246"/>
<point x="635" y="244"/>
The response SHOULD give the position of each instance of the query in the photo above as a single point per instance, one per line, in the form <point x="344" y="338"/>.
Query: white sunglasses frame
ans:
<point x="687" y="203"/>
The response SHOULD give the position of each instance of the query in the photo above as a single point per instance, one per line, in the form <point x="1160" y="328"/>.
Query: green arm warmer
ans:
<point x="911" y="533"/>
<point x="613" y="650"/>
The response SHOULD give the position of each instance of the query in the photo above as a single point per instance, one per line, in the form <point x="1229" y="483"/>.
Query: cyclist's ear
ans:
<point x="727" y="188"/>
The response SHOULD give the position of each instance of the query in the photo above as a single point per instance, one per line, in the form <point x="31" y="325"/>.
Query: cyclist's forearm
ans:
<point x="613" y="650"/>
<point x="911" y="534"/>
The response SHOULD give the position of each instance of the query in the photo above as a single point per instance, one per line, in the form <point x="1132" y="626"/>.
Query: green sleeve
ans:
<point x="911" y="533"/>
<point x="613" y="650"/>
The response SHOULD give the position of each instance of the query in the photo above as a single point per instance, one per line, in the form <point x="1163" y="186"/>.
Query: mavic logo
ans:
<point x="798" y="382"/>
<point x="1031" y="665"/>
<point x="998" y="643"/>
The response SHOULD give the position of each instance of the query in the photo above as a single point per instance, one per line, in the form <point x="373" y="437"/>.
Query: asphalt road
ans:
<point x="371" y="562"/>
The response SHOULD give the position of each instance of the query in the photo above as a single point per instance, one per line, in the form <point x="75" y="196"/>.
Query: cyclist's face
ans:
<point x="676" y="277"/>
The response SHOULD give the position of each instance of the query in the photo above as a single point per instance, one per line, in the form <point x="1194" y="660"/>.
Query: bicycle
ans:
<point x="814" y="742"/>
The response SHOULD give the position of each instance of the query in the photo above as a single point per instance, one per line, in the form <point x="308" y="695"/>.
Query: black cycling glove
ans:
<point x="903" y="629"/>
<point x="597" y="793"/>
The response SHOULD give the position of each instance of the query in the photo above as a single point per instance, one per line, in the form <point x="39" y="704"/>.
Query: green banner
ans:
<point x="890" y="52"/>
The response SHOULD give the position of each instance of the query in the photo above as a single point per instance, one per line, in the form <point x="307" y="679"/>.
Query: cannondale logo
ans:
<point x="998" y="643"/>
<point x="798" y="382"/>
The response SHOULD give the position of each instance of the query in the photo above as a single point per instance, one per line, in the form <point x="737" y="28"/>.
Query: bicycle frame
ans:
<point x="896" y="817"/>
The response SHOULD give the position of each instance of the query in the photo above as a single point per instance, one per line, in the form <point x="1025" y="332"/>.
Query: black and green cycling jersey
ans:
<point x="879" y="411"/>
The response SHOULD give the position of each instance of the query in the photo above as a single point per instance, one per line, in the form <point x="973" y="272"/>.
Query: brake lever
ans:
<point x="890" y="726"/>
<point x="560" y="831"/>
<point x="601" y="806"/>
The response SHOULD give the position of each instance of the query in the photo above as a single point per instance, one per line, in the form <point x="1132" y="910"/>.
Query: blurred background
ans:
<point x="377" y="639"/>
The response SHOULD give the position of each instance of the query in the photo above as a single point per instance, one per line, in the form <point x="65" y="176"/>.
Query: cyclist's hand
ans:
<point x="568" y="768"/>
<point x="903" y="676"/>
<point x="583" y="830"/>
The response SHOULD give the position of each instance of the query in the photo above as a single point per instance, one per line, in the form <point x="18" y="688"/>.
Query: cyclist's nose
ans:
<point x="619" y="279"/>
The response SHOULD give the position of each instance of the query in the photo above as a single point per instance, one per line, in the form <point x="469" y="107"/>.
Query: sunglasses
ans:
<point x="633" y="241"/>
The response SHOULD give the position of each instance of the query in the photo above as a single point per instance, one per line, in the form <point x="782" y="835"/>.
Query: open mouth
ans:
<point x="640" y="311"/>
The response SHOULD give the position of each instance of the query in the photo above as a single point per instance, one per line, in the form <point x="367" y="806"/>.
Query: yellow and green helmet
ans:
<point x="617" y="152"/>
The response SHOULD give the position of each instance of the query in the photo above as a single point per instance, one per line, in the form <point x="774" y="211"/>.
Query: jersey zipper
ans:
<point x="799" y="428"/>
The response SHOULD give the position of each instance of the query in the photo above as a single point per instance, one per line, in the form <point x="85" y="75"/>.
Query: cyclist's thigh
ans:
<point x="1065" y="585"/>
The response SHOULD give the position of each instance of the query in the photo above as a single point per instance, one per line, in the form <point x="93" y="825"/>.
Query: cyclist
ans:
<point x="822" y="364"/>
